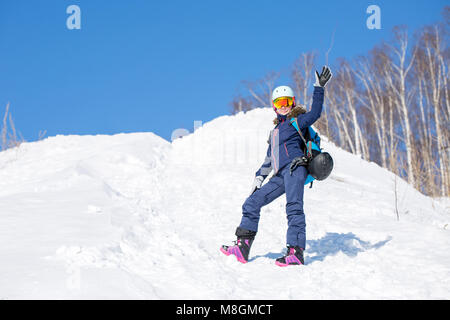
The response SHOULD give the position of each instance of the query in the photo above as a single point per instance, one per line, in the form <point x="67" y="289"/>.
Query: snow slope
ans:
<point x="132" y="216"/>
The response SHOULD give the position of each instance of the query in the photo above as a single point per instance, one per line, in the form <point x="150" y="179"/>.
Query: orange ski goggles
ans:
<point x="283" y="102"/>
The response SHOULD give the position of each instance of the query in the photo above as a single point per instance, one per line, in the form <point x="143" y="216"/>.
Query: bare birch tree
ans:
<point x="302" y="75"/>
<point x="396" y="73"/>
<point x="9" y="136"/>
<point x="258" y="93"/>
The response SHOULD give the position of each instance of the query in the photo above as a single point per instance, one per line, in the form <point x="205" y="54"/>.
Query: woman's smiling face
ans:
<point x="284" y="110"/>
<point x="284" y="104"/>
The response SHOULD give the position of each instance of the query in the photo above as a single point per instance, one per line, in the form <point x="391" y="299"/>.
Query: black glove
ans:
<point x="299" y="161"/>
<point x="323" y="78"/>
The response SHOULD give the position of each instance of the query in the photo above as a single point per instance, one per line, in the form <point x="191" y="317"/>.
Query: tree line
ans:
<point x="390" y="106"/>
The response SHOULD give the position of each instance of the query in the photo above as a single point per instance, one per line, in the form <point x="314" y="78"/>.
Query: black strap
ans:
<point x="293" y="119"/>
<point x="307" y="148"/>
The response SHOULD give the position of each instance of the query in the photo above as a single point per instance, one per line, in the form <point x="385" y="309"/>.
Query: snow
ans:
<point x="133" y="216"/>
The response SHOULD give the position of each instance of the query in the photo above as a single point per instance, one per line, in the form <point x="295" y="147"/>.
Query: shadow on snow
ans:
<point x="331" y="244"/>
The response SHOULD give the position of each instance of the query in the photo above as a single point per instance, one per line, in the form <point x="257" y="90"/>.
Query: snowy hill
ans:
<point x="134" y="216"/>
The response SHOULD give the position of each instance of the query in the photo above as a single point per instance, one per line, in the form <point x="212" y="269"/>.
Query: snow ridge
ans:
<point x="134" y="216"/>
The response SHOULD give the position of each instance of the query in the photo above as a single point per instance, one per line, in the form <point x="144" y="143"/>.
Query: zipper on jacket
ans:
<point x="273" y="144"/>
<point x="287" y="153"/>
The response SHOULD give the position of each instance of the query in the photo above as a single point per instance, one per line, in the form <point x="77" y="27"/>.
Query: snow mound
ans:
<point x="134" y="216"/>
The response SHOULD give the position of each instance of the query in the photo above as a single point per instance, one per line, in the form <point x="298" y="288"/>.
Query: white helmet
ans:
<point x="282" y="91"/>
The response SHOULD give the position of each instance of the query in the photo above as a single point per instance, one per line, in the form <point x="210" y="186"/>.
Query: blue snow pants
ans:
<point x="281" y="182"/>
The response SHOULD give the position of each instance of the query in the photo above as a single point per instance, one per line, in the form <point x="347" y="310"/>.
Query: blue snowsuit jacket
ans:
<point x="285" y="143"/>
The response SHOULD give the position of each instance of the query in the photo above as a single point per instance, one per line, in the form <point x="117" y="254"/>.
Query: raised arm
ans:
<point x="308" y="118"/>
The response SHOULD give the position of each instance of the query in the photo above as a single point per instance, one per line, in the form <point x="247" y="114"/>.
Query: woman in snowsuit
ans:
<point x="285" y="157"/>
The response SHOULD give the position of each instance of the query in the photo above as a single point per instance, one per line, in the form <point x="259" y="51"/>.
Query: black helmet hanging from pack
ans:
<point x="320" y="166"/>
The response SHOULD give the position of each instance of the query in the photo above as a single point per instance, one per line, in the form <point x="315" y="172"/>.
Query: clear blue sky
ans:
<point x="156" y="66"/>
